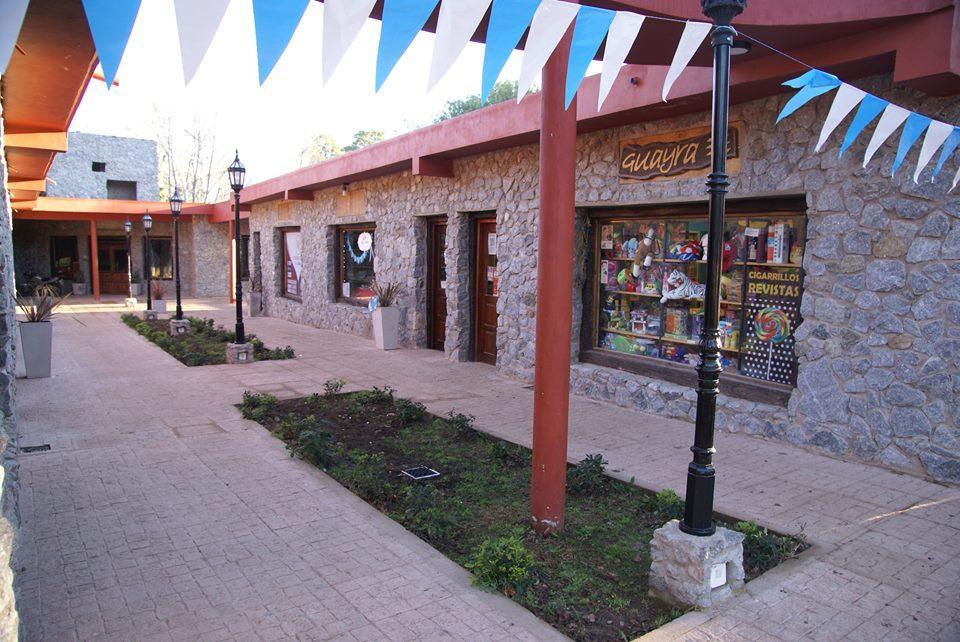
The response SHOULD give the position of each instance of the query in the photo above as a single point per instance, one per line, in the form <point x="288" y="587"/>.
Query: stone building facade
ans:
<point x="96" y="165"/>
<point x="879" y="346"/>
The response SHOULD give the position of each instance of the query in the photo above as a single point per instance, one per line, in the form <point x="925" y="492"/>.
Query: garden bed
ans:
<point x="589" y="581"/>
<point x="204" y="345"/>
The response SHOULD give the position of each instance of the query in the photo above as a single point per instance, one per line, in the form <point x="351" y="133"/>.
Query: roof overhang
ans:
<point x="47" y="208"/>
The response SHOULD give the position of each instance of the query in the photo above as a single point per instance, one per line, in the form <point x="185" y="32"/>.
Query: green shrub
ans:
<point x="666" y="503"/>
<point x="365" y="474"/>
<point x="463" y="425"/>
<point x="763" y="549"/>
<point x="503" y="563"/>
<point x="333" y="387"/>
<point x="410" y="411"/>
<point x="291" y="426"/>
<point x="429" y="515"/>
<point x="587" y="477"/>
<point x="259" y="407"/>
<point x="315" y="446"/>
<point x="504" y="451"/>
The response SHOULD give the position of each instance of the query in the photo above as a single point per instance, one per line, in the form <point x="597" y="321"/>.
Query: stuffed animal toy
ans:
<point x="729" y="253"/>
<point x="687" y="251"/>
<point x="680" y="286"/>
<point x="643" y="256"/>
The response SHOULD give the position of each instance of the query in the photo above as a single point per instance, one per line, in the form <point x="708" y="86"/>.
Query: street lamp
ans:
<point x="175" y="204"/>
<point x="147" y="226"/>
<point x="128" y="229"/>
<point x="698" y="505"/>
<point x="236" y="173"/>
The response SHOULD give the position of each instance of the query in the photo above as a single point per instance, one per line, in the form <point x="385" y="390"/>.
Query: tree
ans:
<point x="364" y="137"/>
<point x="503" y="90"/>
<point x="188" y="159"/>
<point x="321" y="148"/>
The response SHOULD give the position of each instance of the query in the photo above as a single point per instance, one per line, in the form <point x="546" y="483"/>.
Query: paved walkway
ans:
<point x="160" y="514"/>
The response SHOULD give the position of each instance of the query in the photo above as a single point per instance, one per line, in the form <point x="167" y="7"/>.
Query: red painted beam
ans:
<point x="223" y="212"/>
<point x="34" y="215"/>
<point x="297" y="195"/>
<point x="439" y="167"/>
<point x="551" y="386"/>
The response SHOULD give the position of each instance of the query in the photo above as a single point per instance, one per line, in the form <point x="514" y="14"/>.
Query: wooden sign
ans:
<point x="674" y="154"/>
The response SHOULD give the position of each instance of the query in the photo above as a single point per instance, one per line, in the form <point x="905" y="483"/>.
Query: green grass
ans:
<point x="589" y="581"/>
<point x="204" y="345"/>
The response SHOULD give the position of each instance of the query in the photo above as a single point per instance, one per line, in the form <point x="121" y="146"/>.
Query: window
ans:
<point x="652" y="313"/>
<point x="355" y="245"/>
<point x="122" y="190"/>
<point x="245" y="257"/>
<point x="99" y="167"/>
<point x="64" y="258"/>
<point x="291" y="285"/>
<point x="161" y="260"/>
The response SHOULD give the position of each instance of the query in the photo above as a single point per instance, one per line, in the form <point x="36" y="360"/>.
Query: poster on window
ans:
<point x="291" y="250"/>
<point x="772" y="315"/>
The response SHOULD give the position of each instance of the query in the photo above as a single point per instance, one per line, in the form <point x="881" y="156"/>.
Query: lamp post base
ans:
<point x="690" y="570"/>
<point x="179" y="327"/>
<point x="150" y="315"/>
<point x="239" y="353"/>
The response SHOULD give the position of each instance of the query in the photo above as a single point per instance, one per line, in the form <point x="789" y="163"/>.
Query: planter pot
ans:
<point x="37" y="340"/>
<point x="79" y="289"/>
<point x="135" y="289"/>
<point x="159" y="306"/>
<point x="386" y="328"/>
<point x="255" y="304"/>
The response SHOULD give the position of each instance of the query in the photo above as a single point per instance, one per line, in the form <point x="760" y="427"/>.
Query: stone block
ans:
<point x="239" y="353"/>
<point x="150" y="315"/>
<point x="695" y="571"/>
<point x="179" y="328"/>
<point x="130" y="302"/>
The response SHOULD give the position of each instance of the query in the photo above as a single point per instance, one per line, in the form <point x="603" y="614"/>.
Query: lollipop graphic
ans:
<point x="771" y="325"/>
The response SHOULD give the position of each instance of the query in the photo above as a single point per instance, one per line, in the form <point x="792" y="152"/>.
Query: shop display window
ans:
<point x="355" y="263"/>
<point x="647" y="286"/>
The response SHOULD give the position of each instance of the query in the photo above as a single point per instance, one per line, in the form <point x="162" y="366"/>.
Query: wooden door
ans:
<point x="437" y="284"/>
<point x="112" y="256"/>
<point x="487" y="288"/>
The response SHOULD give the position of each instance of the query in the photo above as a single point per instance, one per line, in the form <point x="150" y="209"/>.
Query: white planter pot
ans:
<point x="79" y="289"/>
<point x="255" y="304"/>
<point x="135" y="289"/>
<point x="37" y="341"/>
<point x="386" y="328"/>
<point x="159" y="306"/>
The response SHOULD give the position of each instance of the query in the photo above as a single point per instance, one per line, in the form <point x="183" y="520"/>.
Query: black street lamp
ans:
<point x="148" y="268"/>
<point x="698" y="506"/>
<point x="236" y="173"/>
<point x="175" y="204"/>
<point x="128" y="228"/>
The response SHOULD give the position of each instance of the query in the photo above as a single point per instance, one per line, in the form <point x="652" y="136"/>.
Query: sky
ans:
<point x="269" y="125"/>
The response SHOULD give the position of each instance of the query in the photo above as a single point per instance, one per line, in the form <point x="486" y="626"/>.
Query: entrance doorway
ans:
<point x="112" y="257"/>
<point x="437" y="283"/>
<point x="486" y="289"/>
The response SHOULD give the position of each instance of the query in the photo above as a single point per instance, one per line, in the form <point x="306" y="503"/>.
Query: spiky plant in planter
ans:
<point x="36" y="332"/>
<point x="386" y="316"/>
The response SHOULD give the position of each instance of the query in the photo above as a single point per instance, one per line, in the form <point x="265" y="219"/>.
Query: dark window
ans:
<point x="64" y="258"/>
<point x="245" y="257"/>
<point x="292" y="281"/>
<point x="161" y="258"/>
<point x="122" y="190"/>
<point x="355" y="247"/>
<point x="99" y="167"/>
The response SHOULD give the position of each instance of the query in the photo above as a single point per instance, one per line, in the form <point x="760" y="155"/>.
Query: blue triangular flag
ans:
<point x="508" y="20"/>
<point x="953" y="140"/>
<point x="912" y="128"/>
<point x="402" y="20"/>
<point x="811" y="84"/>
<point x="869" y="108"/>
<point x="588" y="32"/>
<point x="274" y="22"/>
<point x="111" y="22"/>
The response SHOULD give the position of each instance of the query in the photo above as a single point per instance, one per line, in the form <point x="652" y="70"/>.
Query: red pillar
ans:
<point x="551" y="388"/>
<point x="94" y="262"/>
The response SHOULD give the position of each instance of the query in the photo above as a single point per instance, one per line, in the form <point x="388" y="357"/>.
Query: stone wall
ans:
<point x="10" y="493"/>
<point x="127" y="159"/>
<point x="880" y="344"/>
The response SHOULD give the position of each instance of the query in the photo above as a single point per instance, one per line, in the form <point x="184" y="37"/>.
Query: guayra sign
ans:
<point x="673" y="154"/>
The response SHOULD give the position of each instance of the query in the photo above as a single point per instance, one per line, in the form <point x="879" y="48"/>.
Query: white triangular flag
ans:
<point x="693" y="35"/>
<point x="892" y="117"/>
<point x="458" y="21"/>
<point x="937" y="133"/>
<point x="623" y="32"/>
<point x="197" y="23"/>
<point x="844" y="101"/>
<point x="549" y="23"/>
<point x="956" y="179"/>
<point x="13" y="12"/>
<point x="342" y="21"/>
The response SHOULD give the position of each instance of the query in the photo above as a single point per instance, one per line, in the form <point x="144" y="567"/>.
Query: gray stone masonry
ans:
<point x="127" y="159"/>
<point x="239" y="353"/>
<point x="879" y="347"/>
<point x="178" y="328"/>
<point x="681" y="566"/>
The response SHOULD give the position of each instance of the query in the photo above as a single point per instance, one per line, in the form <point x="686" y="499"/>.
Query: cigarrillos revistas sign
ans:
<point x="674" y="154"/>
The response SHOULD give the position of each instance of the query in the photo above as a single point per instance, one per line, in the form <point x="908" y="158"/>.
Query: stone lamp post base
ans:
<point x="150" y="315"/>
<point x="687" y="570"/>
<point x="179" y="328"/>
<point x="239" y="353"/>
<point x="130" y="302"/>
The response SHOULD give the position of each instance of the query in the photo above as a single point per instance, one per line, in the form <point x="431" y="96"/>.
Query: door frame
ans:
<point x="477" y="279"/>
<point x="433" y="223"/>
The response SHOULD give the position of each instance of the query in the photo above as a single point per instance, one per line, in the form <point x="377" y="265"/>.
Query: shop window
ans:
<point x="355" y="245"/>
<point x="99" y="167"/>
<point x="292" y="282"/>
<point x="650" y="309"/>
<point x="161" y="258"/>
<point x="122" y="190"/>
<point x="64" y="258"/>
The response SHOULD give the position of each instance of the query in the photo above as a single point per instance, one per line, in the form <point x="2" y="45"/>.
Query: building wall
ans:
<point x="127" y="159"/>
<point x="880" y="345"/>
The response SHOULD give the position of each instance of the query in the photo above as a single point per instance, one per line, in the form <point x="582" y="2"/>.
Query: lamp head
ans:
<point x="236" y="173"/>
<point x="147" y="222"/>
<point x="176" y="202"/>
<point x="127" y="227"/>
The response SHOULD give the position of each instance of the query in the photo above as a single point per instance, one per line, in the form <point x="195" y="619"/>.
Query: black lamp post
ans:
<point x="236" y="173"/>
<point x="148" y="268"/>
<point x="175" y="204"/>
<point x="698" y="507"/>
<point x="128" y="228"/>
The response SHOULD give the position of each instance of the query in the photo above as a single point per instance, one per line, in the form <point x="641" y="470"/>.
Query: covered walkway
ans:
<point x="159" y="513"/>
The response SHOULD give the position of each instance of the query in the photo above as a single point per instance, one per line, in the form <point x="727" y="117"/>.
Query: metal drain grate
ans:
<point x="35" y="449"/>
<point x="420" y="472"/>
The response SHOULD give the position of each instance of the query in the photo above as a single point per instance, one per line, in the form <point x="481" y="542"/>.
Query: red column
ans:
<point x="94" y="262"/>
<point x="551" y="388"/>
